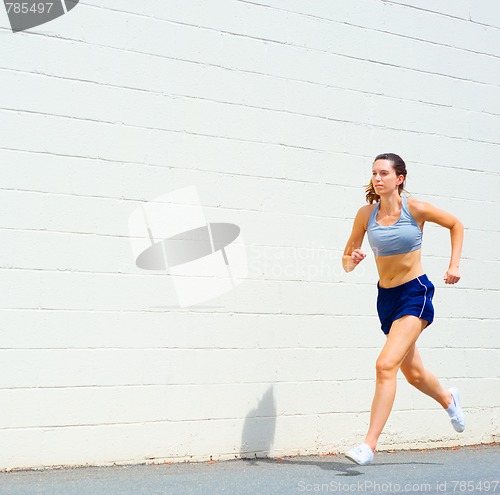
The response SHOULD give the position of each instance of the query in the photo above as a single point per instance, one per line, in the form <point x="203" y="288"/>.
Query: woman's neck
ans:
<point x="391" y="204"/>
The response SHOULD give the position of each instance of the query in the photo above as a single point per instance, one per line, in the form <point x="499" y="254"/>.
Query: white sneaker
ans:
<point x="458" y="419"/>
<point x="362" y="454"/>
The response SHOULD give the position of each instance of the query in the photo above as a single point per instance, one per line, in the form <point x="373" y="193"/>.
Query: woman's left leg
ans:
<point x="422" y="379"/>
<point x="401" y="338"/>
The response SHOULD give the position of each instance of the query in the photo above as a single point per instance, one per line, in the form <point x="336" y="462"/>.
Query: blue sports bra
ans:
<point x="401" y="237"/>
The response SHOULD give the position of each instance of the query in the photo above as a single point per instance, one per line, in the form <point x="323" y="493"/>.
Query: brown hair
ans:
<point x="399" y="167"/>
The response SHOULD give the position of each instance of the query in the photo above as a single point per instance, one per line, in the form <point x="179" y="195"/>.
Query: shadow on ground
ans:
<point x="342" y="467"/>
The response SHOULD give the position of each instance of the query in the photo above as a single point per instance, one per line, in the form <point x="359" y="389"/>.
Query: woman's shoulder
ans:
<point x="364" y="214"/>
<point x="418" y="208"/>
<point x="366" y="210"/>
<point x="417" y="205"/>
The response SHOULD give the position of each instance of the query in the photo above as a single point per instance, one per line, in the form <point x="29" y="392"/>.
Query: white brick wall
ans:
<point x="274" y="109"/>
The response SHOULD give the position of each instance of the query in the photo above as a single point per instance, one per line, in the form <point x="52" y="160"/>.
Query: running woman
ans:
<point x="394" y="227"/>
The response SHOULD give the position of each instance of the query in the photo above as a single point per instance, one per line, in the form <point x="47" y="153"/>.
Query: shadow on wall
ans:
<point x="259" y="428"/>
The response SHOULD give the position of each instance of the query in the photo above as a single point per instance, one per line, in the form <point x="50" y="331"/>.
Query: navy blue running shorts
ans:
<point x="411" y="298"/>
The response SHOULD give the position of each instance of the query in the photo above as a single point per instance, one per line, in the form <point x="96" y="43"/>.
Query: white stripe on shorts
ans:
<point x="425" y="297"/>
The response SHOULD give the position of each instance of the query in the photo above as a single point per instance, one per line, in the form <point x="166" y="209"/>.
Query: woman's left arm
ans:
<point x="430" y="213"/>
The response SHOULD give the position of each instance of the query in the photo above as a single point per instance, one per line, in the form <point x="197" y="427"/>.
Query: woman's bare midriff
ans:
<point x="399" y="268"/>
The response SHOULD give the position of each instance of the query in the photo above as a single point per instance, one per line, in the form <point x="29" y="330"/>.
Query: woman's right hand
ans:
<point x="357" y="256"/>
<point x="353" y="256"/>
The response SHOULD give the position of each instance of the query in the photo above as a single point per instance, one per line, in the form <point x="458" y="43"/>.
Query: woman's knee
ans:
<point x="414" y="376"/>
<point x="385" y="368"/>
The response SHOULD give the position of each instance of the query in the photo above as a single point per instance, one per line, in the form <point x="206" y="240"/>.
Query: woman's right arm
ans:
<point x="352" y="252"/>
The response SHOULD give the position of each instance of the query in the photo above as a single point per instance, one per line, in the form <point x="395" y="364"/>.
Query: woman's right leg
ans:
<point x="415" y="373"/>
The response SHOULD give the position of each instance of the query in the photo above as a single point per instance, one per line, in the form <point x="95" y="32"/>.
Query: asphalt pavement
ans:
<point x="460" y="470"/>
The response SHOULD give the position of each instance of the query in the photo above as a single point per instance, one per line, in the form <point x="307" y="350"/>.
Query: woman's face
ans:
<point x="384" y="178"/>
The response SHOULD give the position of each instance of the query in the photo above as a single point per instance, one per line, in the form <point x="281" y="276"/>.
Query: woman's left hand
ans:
<point x="452" y="276"/>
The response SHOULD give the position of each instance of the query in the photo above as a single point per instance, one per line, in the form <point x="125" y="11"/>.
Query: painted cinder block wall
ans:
<point x="273" y="110"/>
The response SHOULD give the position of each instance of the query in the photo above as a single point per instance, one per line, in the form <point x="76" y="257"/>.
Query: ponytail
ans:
<point x="371" y="195"/>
